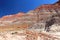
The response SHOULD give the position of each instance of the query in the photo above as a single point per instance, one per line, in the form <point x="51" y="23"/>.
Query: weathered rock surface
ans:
<point x="43" y="23"/>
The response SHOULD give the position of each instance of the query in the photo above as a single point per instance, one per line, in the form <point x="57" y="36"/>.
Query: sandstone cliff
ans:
<point x="43" y="23"/>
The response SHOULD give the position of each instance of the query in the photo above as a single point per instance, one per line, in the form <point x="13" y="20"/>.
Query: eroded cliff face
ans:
<point x="43" y="23"/>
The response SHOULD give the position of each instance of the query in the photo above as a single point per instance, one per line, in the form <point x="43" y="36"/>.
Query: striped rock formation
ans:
<point x="43" y="23"/>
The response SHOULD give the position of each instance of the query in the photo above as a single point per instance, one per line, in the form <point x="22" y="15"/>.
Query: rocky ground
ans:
<point x="43" y="23"/>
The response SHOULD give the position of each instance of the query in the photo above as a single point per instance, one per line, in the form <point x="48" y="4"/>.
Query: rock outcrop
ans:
<point x="43" y="23"/>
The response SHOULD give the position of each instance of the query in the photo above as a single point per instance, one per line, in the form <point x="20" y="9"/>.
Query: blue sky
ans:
<point x="8" y="7"/>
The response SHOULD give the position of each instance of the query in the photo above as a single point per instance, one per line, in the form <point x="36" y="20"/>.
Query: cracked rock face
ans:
<point x="43" y="23"/>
